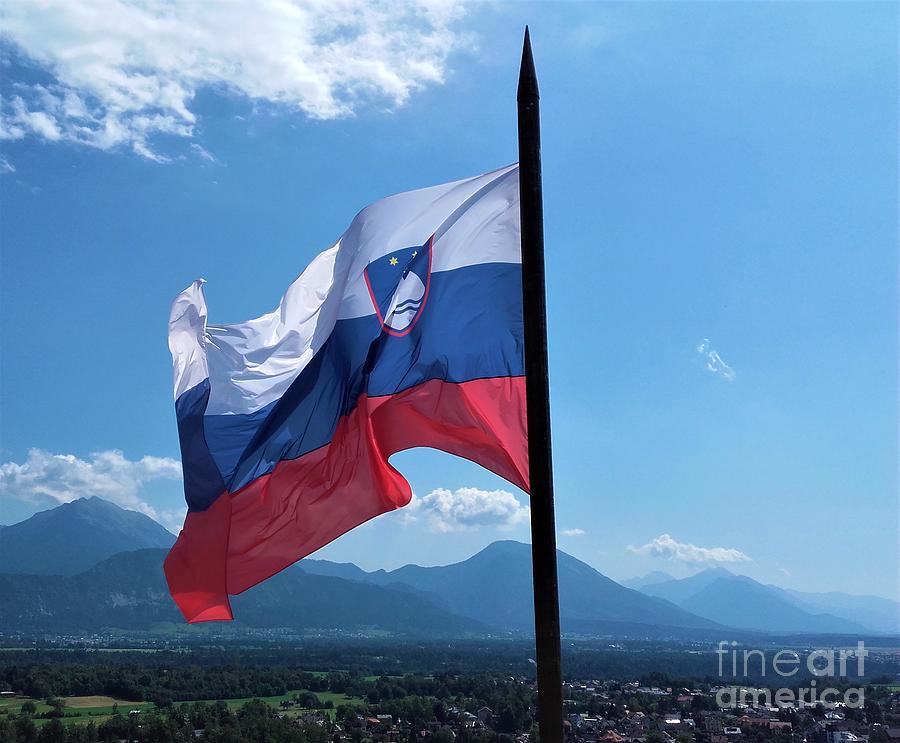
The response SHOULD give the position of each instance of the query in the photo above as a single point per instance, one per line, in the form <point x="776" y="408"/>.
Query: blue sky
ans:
<point x="716" y="177"/>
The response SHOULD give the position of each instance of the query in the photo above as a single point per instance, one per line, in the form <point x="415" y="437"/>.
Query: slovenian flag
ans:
<point x="407" y="332"/>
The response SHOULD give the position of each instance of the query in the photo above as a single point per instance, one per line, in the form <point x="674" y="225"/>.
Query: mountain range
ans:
<point x="494" y="587"/>
<point x="741" y="602"/>
<point x="89" y="565"/>
<point x="490" y="593"/>
<point x="715" y="594"/>
<point x="129" y="591"/>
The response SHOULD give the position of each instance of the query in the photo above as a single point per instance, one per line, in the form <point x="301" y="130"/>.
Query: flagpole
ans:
<point x="537" y="389"/>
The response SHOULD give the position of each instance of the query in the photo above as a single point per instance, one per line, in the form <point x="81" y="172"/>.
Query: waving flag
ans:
<point x="407" y="332"/>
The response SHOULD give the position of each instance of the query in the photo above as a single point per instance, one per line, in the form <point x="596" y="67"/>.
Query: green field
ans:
<point x="77" y="709"/>
<point x="323" y="696"/>
<point x="81" y="710"/>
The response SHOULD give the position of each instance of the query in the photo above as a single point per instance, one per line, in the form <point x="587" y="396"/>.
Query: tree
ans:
<point x="52" y="732"/>
<point x="439" y="711"/>
<point x="28" y="707"/>
<point x="443" y="735"/>
<point x="26" y="732"/>
<point x="58" y="705"/>
<point x="307" y="700"/>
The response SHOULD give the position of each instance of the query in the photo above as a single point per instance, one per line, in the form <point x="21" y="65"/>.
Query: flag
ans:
<point x="408" y="332"/>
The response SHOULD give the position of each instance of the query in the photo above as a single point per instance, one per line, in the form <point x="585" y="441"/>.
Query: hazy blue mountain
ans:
<point x="739" y="601"/>
<point x="678" y="590"/>
<point x="877" y="613"/>
<point x="129" y="591"/>
<point x="346" y="570"/>
<point x="73" y="537"/>
<point x="494" y="587"/>
<point x="639" y="581"/>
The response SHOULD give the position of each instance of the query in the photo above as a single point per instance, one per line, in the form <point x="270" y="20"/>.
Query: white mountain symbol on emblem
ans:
<point x="406" y="301"/>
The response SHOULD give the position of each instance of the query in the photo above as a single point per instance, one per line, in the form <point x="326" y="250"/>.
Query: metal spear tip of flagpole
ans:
<point x="528" y="84"/>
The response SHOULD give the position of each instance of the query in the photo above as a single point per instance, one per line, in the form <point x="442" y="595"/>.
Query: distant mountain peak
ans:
<point x="654" y="576"/>
<point x="504" y="546"/>
<point x="90" y="504"/>
<point x="717" y="571"/>
<point x="75" y="536"/>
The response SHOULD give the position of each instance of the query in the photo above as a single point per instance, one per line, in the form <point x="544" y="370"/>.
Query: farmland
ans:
<point x="96" y="708"/>
<point x="75" y="710"/>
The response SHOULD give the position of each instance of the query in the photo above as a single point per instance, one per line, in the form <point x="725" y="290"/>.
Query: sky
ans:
<point x="720" y="187"/>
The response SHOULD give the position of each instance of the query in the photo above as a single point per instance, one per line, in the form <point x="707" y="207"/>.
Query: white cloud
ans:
<point x="467" y="509"/>
<point x="665" y="546"/>
<point x="6" y="166"/>
<point x="573" y="532"/>
<point x="203" y="153"/>
<point x="713" y="362"/>
<point x="125" y="71"/>
<point x="50" y="479"/>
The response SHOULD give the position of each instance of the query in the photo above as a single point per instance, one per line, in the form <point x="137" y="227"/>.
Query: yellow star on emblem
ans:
<point x="415" y="253"/>
<point x="393" y="261"/>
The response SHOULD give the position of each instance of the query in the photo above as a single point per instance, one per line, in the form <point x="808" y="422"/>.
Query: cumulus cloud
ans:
<point x="666" y="547"/>
<point x="713" y="361"/>
<point x="123" y="72"/>
<point x="573" y="532"/>
<point x="50" y="479"/>
<point x="467" y="509"/>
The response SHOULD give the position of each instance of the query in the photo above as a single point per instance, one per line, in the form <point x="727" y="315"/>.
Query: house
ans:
<point x="612" y="737"/>
<point x="840" y="736"/>
<point x="668" y="723"/>
<point x="485" y="716"/>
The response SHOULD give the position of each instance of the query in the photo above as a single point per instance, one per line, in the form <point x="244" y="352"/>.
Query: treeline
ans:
<point x="166" y="685"/>
<point x="376" y="658"/>
<point x="581" y="660"/>
<point x="162" y="685"/>
<point x="255" y="722"/>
